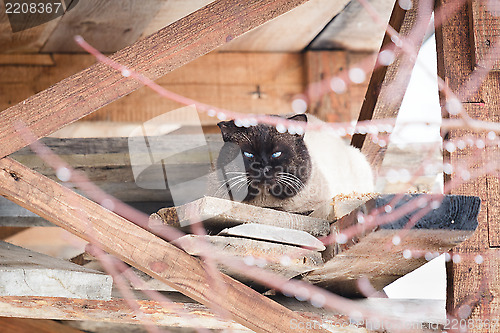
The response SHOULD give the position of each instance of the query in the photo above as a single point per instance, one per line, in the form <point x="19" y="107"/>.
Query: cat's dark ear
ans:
<point x="227" y="128"/>
<point x="299" y="117"/>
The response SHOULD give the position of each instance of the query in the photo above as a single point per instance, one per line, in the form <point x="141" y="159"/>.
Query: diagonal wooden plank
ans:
<point x="175" y="45"/>
<point x="388" y="83"/>
<point x="140" y="248"/>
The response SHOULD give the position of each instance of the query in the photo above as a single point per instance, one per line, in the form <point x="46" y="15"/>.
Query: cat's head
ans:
<point x="275" y="162"/>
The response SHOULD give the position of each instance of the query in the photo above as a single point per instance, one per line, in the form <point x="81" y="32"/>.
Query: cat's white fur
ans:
<point x="337" y="168"/>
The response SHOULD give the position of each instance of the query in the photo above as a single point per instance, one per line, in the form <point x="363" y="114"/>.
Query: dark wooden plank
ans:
<point x="380" y="253"/>
<point x="139" y="248"/>
<point x="154" y="56"/>
<point x="388" y="83"/>
<point x="27" y="325"/>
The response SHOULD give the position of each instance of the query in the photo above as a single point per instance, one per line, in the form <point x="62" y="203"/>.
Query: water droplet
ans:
<point x="435" y="204"/>
<point x="299" y="105"/>
<point x="253" y="121"/>
<point x="464" y="311"/>
<point x="318" y="300"/>
<point x="238" y="122"/>
<point x="396" y="240"/>
<point x="285" y="260"/>
<point x="405" y="4"/>
<point x="249" y="260"/>
<point x="126" y="72"/>
<point x="108" y="204"/>
<point x="404" y="176"/>
<point x="361" y="218"/>
<point x="429" y="256"/>
<point x="479" y="259"/>
<point x="281" y="128"/>
<point x="382" y="143"/>
<point x="292" y="130"/>
<point x="492" y="135"/>
<point x="450" y="146"/>
<point x="302" y="294"/>
<point x="453" y="106"/>
<point x="388" y="209"/>
<point x="211" y="113"/>
<point x="447" y="257"/>
<point x="299" y="130"/>
<point x="260" y="262"/>
<point x="338" y="85"/>
<point x="456" y="258"/>
<point x="422" y="203"/>
<point x="357" y="75"/>
<point x="221" y="116"/>
<point x="63" y="173"/>
<point x="386" y="57"/>
<point x="465" y="175"/>
<point x="407" y="254"/>
<point x="461" y="144"/>
<point x="447" y="168"/>
<point x="341" y="239"/>
<point x="397" y="41"/>
<point x="480" y="144"/>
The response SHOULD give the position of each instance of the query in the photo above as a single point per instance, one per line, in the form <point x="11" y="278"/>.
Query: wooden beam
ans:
<point x="486" y="29"/>
<point x="139" y="248"/>
<point x="197" y="315"/>
<point x="388" y="84"/>
<point x="470" y="284"/>
<point x="353" y="29"/>
<point x="306" y="21"/>
<point x="155" y="56"/>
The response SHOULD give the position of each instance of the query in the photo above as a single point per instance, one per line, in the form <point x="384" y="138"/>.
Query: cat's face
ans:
<point x="277" y="163"/>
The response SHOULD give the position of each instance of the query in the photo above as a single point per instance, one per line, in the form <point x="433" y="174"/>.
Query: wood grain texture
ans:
<point x="388" y="83"/>
<point x="139" y="248"/>
<point x="486" y="29"/>
<point x="160" y="53"/>
<point x="27" y="325"/>
<point x="108" y="25"/>
<point x="469" y="283"/>
<point x="26" y="41"/>
<point x="291" y="32"/>
<point x="354" y="29"/>
<point x="333" y="107"/>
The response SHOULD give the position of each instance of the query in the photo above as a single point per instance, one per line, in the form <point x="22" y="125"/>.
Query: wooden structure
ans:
<point x="80" y="87"/>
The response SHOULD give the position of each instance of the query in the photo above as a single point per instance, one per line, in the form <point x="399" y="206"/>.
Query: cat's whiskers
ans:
<point x="230" y="183"/>
<point x="291" y="180"/>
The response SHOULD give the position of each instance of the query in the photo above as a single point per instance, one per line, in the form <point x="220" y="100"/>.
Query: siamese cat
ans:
<point x="295" y="172"/>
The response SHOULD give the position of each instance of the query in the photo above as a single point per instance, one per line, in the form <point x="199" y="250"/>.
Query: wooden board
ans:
<point x="220" y="213"/>
<point x="27" y="273"/>
<point x="108" y="25"/>
<point x="154" y="57"/>
<point x="486" y="29"/>
<point x="305" y="21"/>
<point x="139" y="248"/>
<point x="371" y="252"/>
<point x="26" y="41"/>
<point x="471" y="284"/>
<point x="27" y="325"/>
<point x="354" y="29"/>
<point x="388" y="84"/>
<point x="196" y="315"/>
<point x="262" y="83"/>
<point x="333" y="107"/>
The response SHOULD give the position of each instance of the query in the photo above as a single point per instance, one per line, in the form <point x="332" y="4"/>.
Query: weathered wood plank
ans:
<point x="275" y="235"/>
<point x="354" y="29"/>
<point x="108" y="25"/>
<point x="27" y="325"/>
<point x="138" y="247"/>
<point x="471" y="284"/>
<point x="155" y="56"/>
<point x="486" y="29"/>
<point x="117" y="311"/>
<point x="306" y="21"/>
<point x="388" y="83"/>
<point x="219" y="213"/>
<point x="27" y="273"/>
<point x="378" y="253"/>
<point x="332" y="106"/>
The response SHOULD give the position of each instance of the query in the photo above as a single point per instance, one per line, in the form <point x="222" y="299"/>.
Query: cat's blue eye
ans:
<point x="247" y="154"/>
<point x="276" y="154"/>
